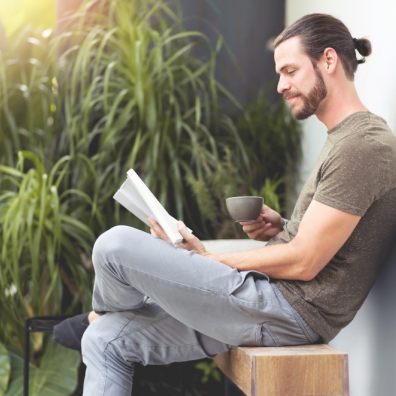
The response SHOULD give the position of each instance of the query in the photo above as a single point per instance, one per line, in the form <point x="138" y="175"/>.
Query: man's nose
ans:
<point x="283" y="85"/>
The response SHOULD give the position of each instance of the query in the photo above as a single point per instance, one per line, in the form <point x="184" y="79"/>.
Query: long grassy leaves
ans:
<point x="135" y="94"/>
<point x="37" y="237"/>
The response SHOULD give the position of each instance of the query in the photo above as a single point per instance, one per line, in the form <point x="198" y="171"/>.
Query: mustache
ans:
<point x="289" y="95"/>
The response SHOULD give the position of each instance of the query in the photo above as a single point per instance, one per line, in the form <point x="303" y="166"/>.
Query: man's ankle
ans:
<point x="92" y="316"/>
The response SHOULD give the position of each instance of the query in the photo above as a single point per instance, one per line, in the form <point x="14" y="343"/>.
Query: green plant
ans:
<point x="135" y="94"/>
<point x="51" y="377"/>
<point x="5" y="369"/>
<point x="126" y="86"/>
<point x="209" y="371"/>
<point x="39" y="239"/>
<point x="273" y="140"/>
<point x="28" y="95"/>
<point x="269" y="192"/>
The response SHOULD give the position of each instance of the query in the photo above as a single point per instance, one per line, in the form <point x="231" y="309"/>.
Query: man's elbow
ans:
<point x="308" y="264"/>
<point x="310" y="268"/>
<point x="307" y="275"/>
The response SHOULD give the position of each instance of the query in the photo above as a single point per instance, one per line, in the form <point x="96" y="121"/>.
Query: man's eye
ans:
<point x="290" y="72"/>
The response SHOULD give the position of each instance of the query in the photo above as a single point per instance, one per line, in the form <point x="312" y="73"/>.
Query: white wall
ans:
<point x="376" y="79"/>
<point x="370" y="339"/>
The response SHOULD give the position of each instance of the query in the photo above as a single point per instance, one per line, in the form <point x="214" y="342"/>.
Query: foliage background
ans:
<point x="121" y="87"/>
<point x="15" y="14"/>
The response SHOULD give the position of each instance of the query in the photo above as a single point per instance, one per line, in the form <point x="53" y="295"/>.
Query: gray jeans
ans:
<point x="165" y="304"/>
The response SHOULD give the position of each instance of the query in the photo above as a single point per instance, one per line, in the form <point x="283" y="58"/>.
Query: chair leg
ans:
<point x="43" y="324"/>
<point x="26" y="359"/>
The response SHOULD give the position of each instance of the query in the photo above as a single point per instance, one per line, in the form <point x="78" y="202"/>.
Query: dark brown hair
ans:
<point x="321" y="31"/>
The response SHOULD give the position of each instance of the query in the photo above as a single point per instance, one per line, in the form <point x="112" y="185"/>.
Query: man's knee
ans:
<point x="98" y="336"/>
<point x="103" y="356"/>
<point x="114" y="241"/>
<point x="92" y="346"/>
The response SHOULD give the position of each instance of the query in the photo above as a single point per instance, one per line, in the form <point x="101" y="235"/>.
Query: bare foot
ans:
<point x="92" y="316"/>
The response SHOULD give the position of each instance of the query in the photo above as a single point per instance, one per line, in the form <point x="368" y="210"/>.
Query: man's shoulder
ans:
<point x="368" y="134"/>
<point x="358" y="124"/>
<point x="365" y="157"/>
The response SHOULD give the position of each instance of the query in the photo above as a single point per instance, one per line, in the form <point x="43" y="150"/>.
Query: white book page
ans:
<point x="136" y="197"/>
<point x="133" y="203"/>
<point x="165" y="220"/>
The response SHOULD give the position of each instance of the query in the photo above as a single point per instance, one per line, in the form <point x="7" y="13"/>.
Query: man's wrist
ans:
<point x="212" y="256"/>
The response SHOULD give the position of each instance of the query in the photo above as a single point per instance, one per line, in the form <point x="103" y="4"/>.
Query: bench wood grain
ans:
<point x="309" y="370"/>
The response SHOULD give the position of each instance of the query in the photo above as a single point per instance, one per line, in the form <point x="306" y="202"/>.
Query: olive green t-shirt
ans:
<point x="355" y="173"/>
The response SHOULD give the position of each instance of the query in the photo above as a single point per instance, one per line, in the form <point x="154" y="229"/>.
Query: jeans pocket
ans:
<point x="247" y="275"/>
<point x="308" y="334"/>
<point x="265" y="337"/>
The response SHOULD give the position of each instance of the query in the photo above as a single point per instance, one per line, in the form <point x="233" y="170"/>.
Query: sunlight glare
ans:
<point x="18" y="14"/>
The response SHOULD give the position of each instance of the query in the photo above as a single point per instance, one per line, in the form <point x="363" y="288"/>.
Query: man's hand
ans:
<point x="266" y="226"/>
<point x="190" y="241"/>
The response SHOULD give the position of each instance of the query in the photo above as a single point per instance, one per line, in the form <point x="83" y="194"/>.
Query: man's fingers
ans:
<point x="254" y="227"/>
<point x="152" y="232"/>
<point x="187" y="235"/>
<point x="157" y="230"/>
<point x="190" y="241"/>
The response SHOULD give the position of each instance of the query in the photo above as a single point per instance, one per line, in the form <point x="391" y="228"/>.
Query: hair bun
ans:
<point x="363" y="46"/>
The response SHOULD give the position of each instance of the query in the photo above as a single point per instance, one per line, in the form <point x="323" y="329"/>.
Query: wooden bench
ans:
<point x="310" y="370"/>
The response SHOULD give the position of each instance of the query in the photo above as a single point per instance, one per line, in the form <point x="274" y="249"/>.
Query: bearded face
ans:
<point x="303" y="106"/>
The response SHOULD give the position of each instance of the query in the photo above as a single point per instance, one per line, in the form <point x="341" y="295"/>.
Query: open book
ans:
<point x="135" y="196"/>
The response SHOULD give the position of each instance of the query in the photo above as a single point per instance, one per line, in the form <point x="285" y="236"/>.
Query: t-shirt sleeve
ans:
<point x="353" y="176"/>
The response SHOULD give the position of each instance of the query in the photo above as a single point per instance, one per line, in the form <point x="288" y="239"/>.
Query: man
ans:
<point x="309" y="280"/>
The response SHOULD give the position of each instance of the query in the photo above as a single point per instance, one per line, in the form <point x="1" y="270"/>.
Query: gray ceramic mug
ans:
<point x="244" y="208"/>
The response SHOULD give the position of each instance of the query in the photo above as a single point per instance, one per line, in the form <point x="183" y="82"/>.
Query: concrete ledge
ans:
<point x="231" y="245"/>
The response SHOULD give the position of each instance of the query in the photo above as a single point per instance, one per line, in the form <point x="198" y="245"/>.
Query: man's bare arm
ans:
<point x="322" y="232"/>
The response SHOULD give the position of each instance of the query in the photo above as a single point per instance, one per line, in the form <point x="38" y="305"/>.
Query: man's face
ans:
<point x="300" y="82"/>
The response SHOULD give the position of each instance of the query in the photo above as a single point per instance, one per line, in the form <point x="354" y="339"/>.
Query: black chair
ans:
<point x="43" y="324"/>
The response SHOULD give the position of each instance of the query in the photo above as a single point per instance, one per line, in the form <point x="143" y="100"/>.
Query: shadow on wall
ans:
<point x="384" y="318"/>
<point x="370" y="338"/>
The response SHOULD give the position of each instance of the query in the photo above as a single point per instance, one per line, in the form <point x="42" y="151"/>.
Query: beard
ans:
<point x="312" y="100"/>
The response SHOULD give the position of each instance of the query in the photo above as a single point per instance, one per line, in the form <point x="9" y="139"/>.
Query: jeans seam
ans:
<point x="308" y="332"/>
<point x="150" y="345"/>
<point x="219" y="293"/>
<point x="116" y="337"/>
<point x="305" y="328"/>
<point x="154" y="347"/>
<point x="264" y="326"/>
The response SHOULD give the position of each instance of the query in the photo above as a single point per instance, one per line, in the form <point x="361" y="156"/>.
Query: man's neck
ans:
<point x="338" y="105"/>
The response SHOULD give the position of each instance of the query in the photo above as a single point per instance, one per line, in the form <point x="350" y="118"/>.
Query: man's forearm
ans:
<point x="284" y="261"/>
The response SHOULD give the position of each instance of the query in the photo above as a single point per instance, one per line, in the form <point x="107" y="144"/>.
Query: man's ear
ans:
<point x="329" y="60"/>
